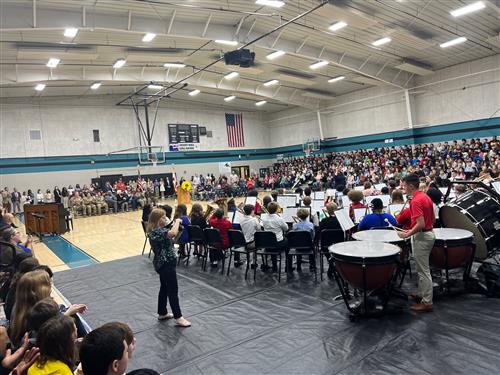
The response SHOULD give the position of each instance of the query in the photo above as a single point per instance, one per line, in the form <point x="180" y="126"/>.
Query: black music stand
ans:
<point x="38" y="220"/>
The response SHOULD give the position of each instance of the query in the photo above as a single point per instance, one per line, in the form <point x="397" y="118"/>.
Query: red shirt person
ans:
<point x="422" y="240"/>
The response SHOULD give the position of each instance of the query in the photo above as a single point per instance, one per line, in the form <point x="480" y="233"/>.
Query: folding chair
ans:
<point x="327" y="238"/>
<point x="267" y="244"/>
<point x="238" y="245"/>
<point x="196" y="238"/>
<point x="301" y="243"/>
<point x="144" y="224"/>
<point x="214" y="244"/>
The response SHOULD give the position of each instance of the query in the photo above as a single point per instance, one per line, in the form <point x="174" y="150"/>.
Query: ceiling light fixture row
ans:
<point x="270" y="3"/>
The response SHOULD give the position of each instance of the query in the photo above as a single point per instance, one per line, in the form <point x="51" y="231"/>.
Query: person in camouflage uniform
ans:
<point x="76" y="204"/>
<point x="100" y="203"/>
<point x="88" y="202"/>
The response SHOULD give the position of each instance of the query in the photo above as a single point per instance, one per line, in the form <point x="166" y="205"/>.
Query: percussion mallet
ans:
<point x="392" y="226"/>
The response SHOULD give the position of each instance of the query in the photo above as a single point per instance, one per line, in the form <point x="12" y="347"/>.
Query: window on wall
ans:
<point x="97" y="137"/>
<point x="35" y="135"/>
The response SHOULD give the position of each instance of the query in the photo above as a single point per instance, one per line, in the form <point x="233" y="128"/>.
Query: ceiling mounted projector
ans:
<point x="242" y="57"/>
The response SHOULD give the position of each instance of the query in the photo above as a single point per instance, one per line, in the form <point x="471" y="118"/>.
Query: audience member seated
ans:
<point x="13" y="236"/>
<point x="377" y="219"/>
<point x="27" y="265"/>
<point x="104" y="351"/>
<point x="218" y="221"/>
<point x="41" y="312"/>
<point x="31" y="288"/>
<point x="304" y="224"/>
<point x="56" y="341"/>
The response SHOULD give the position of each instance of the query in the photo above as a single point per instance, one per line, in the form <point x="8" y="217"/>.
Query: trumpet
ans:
<point x="264" y="209"/>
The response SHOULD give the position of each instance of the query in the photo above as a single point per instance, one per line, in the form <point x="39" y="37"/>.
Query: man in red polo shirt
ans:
<point x="422" y="240"/>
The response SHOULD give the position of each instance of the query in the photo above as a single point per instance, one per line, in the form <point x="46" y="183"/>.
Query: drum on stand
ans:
<point x="390" y="236"/>
<point x="367" y="266"/>
<point x="453" y="248"/>
<point x="478" y="212"/>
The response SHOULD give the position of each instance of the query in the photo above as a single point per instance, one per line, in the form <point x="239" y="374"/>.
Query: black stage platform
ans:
<point x="242" y="327"/>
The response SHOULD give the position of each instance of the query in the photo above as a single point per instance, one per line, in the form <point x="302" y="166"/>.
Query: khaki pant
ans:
<point x="422" y="244"/>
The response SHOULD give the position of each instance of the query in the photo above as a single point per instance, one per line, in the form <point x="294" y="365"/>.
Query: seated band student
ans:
<point x="356" y="197"/>
<point x="218" y="221"/>
<point x="249" y="225"/>
<point x="276" y="224"/>
<point x="255" y="193"/>
<point x="331" y="221"/>
<point x="304" y="224"/>
<point x="181" y="213"/>
<point x="378" y="218"/>
<point x="313" y="217"/>
<point x="196" y="217"/>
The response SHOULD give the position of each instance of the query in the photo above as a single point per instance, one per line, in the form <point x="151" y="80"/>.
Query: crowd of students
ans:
<point x="41" y="337"/>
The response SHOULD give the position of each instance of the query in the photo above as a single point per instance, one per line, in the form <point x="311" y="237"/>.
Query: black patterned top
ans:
<point x="162" y="247"/>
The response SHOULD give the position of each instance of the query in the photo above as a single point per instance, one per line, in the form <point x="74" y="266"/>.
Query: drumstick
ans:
<point x="392" y="226"/>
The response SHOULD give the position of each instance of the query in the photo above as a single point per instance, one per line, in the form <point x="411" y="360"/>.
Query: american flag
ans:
<point x="234" y="128"/>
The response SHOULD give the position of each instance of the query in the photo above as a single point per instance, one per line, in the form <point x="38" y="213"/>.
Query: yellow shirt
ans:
<point x="51" y="367"/>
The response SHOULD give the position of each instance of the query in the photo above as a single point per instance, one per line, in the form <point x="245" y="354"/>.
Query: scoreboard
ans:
<point x="183" y="133"/>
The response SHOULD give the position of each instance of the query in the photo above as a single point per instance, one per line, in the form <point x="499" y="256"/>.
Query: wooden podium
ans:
<point x="46" y="218"/>
<point x="183" y="196"/>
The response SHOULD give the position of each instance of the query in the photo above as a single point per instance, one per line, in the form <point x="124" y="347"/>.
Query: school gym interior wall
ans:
<point x="464" y="92"/>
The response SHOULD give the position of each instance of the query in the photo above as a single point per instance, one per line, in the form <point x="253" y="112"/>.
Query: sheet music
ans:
<point x="319" y="195"/>
<point x="368" y="199"/>
<point x="317" y="205"/>
<point x="496" y="186"/>
<point x="264" y="216"/>
<point x="330" y="192"/>
<point x="251" y="200"/>
<point x="286" y="200"/>
<point x="379" y="186"/>
<point x="385" y="199"/>
<point x="443" y="190"/>
<point x="298" y="200"/>
<point x="344" y="220"/>
<point x="395" y="209"/>
<point x="359" y="214"/>
<point x="360" y="188"/>
<point x="237" y="217"/>
<point x="289" y="213"/>
<point x="345" y="201"/>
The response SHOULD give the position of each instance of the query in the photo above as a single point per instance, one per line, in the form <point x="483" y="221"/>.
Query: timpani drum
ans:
<point x="478" y="212"/>
<point x="453" y="248"/>
<point x="389" y="236"/>
<point x="366" y="266"/>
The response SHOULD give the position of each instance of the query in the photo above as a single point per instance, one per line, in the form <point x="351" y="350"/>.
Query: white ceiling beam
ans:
<point x="174" y="13"/>
<point x="84" y="16"/>
<point x="34" y="13"/>
<point x="206" y="25"/>
<point x="250" y="29"/>
<point x="238" y="28"/>
<point x="277" y="38"/>
<point x="129" y="21"/>
<point x="302" y="45"/>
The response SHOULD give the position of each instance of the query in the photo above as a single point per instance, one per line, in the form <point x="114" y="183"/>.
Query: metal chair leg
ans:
<point x="229" y="264"/>
<point x="248" y="264"/>
<point x="144" y="246"/>
<point x="279" y="269"/>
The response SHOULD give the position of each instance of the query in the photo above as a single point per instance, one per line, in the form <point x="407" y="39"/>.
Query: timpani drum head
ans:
<point x="364" y="249"/>
<point x="477" y="212"/>
<point x="378" y="235"/>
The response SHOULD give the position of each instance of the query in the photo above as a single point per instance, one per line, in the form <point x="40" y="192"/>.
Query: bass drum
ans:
<point x="476" y="211"/>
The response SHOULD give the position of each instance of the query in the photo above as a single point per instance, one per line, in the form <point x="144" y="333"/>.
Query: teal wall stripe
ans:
<point x="468" y="129"/>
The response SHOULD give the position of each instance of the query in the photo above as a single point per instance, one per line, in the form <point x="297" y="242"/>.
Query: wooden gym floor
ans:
<point x="103" y="238"/>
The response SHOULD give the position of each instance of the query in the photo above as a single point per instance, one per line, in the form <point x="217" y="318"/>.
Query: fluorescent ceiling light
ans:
<point x="95" y="85"/>
<point x="381" y="41"/>
<point x="271" y="82"/>
<point x="148" y="37"/>
<point x="231" y="75"/>
<point x="318" y="64"/>
<point x="337" y="26"/>
<point x="336" y="79"/>
<point x="119" y="63"/>
<point x="453" y="42"/>
<point x="275" y="55"/>
<point x="174" y="65"/>
<point x="40" y="87"/>
<point x="262" y="102"/>
<point x="53" y="62"/>
<point x="227" y="42"/>
<point x="155" y="87"/>
<point x="270" y="3"/>
<point x="70" y="32"/>
<point x="194" y="92"/>
<point x="229" y="98"/>
<point x="468" y="9"/>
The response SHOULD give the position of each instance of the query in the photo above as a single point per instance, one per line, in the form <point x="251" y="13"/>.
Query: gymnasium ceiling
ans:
<point x="32" y="32"/>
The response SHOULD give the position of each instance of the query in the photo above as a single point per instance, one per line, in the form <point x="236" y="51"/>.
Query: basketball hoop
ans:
<point x="153" y="160"/>
<point x="307" y="152"/>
